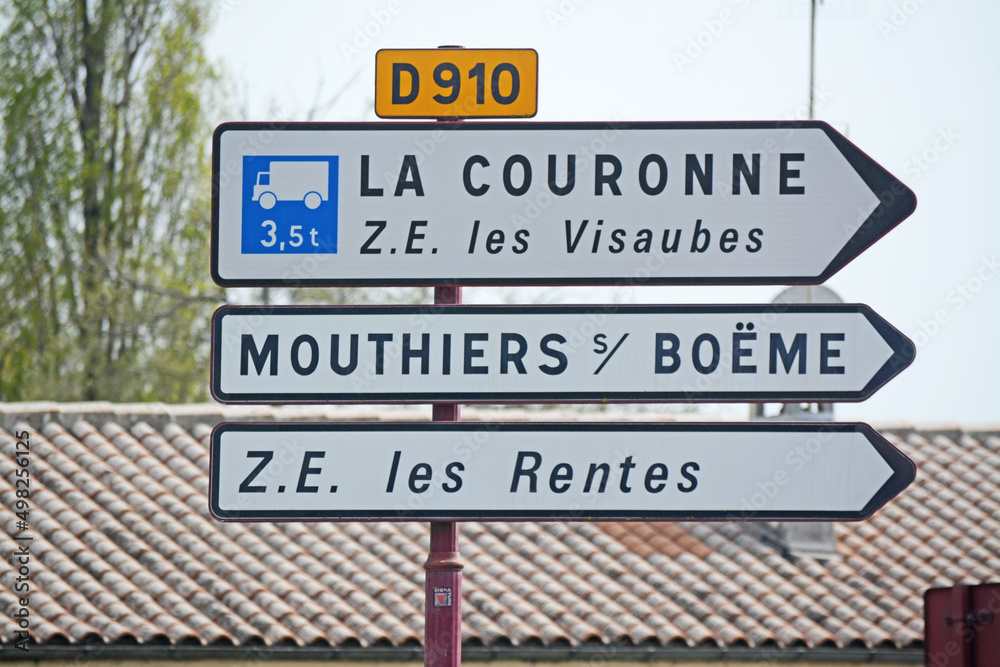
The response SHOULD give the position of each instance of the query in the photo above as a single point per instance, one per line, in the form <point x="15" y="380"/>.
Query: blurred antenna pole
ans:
<point x="812" y="56"/>
<point x="812" y="81"/>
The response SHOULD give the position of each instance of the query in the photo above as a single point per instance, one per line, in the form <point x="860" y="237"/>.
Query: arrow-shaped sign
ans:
<point x="581" y="471"/>
<point x="543" y="203"/>
<point x="775" y="352"/>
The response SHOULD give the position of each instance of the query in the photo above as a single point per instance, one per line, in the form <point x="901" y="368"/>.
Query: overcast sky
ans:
<point x="914" y="83"/>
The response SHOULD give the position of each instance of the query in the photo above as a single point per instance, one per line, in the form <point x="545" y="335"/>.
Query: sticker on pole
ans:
<point x="442" y="596"/>
<point x="289" y="204"/>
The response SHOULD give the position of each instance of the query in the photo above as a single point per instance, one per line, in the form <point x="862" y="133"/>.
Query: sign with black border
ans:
<point x="552" y="471"/>
<point x="495" y="354"/>
<point x="523" y="203"/>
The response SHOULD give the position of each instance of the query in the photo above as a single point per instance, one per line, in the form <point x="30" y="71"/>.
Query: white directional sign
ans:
<point x="553" y="353"/>
<point x="543" y="203"/>
<point x="435" y="471"/>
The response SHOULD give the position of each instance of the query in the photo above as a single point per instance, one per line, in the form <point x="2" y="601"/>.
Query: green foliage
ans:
<point x="104" y="200"/>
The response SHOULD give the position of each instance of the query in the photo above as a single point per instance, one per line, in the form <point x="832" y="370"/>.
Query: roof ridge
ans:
<point x="158" y="414"/>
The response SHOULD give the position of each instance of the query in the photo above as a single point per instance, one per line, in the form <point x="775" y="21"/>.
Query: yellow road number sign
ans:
<point x="456" y="83"/>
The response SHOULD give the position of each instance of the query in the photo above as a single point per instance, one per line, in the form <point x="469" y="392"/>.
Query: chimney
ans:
<point x="815" y="539"/>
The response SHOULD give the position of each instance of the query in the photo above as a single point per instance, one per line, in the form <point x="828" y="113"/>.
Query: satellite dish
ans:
<point x="807" y="294"/>
<point x="815" y="539"/>
<point x="801" y="411"/>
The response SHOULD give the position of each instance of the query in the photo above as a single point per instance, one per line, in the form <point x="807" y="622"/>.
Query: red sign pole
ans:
<point x="443" y="587"/>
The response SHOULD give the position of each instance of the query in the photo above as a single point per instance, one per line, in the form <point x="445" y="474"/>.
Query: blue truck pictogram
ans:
<point x="290" y="204"/>
<point x="307" y="182"/>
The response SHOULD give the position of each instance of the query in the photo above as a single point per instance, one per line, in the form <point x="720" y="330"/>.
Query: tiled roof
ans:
<point x="125" y="552"/>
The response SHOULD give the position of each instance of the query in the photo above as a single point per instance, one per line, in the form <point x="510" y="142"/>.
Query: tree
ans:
<point x="104" y="200"/>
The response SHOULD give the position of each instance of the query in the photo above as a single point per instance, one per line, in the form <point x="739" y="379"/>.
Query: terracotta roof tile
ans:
<point x="126" y="552"/>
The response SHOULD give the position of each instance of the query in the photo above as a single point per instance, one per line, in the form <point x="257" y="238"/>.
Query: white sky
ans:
<point x="914" y="83"/>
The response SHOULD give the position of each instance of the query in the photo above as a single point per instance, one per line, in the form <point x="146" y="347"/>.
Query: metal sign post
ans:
<point x="443" y="584"/>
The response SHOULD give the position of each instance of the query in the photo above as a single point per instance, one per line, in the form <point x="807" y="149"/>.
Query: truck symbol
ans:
<point x="306" y="181"/>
